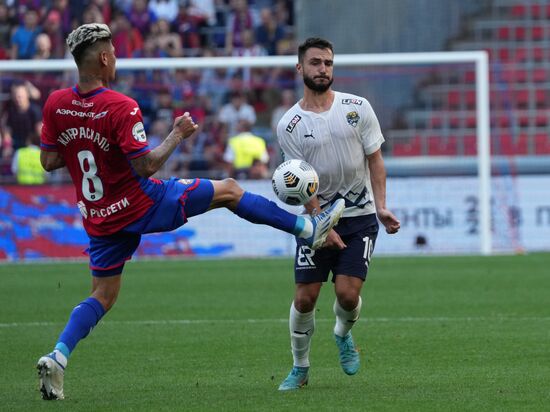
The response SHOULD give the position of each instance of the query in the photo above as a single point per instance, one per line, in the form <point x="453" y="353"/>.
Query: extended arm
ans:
<point x="378" y="182"/>
<point x="150" y="163"/>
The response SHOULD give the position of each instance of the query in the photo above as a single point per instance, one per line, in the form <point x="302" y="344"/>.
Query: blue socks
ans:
<point x="258" y="209"/>
<point x="82" y="320"/>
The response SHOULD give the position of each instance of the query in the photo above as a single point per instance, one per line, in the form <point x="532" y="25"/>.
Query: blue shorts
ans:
<point x="179" y="202"/>
<point x="358" y="233"/>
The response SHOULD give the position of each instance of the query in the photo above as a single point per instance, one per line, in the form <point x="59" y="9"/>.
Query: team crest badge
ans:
<point x="352" y="118"/>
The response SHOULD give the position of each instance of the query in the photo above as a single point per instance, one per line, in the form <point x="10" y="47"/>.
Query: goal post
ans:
<point x="478" y="58"/>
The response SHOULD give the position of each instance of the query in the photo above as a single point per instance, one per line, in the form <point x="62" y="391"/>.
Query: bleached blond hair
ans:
<point x="87" y="34"/>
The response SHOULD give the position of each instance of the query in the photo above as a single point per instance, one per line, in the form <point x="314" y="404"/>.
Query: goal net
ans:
<point x="433" y="107"/>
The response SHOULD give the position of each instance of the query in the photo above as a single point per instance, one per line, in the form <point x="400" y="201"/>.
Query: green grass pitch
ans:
<point x="436" y="334"/>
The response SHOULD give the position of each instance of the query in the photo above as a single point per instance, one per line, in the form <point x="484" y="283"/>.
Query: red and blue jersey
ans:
<point x="98" y="133"/>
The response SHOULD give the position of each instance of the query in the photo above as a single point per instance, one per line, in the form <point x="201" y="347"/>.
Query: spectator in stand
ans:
<point x="43" y="47"/>
<point x="239" y="20"/>
<point x="243" y="149"/>
<point x="287" y="100"/>
<point x="20" y="117"/>
<point x="287" y="45"/>
<point x="24" y="37"/>
<point x="104" y="7"/>
<point x="92" y="14"/>
<point x="237" y="109"/>
<point x="249" y="48"/>
<point x="163" y="105"/>
<point x="164" y="9"/>
<point x="204" y="153"/>
<point x="205" y="10"/>
<point x="269" y="32"/>
<point x="127" y="40"/>
<point x="205" y="13"/>
<point x="140" y="16"/>
<point x="167" y="41"/>
<point x="284" y="12"/>
<point x="212" y="86"/>
<point x="192" y="104"/>
<point x="150" y="48"/>
<point x="188" y="26"/>
<point x="52" y="27"/>
<point x="20" y="7"/>
<point x="258" y="171"/>
<point x="6" y="25"/>
<point x="62" y="7"/>
<point x="25" y="165"/>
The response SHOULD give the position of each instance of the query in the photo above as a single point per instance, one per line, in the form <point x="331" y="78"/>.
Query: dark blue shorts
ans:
<point x="179" y="202"/>
<point x="358" y="233"/>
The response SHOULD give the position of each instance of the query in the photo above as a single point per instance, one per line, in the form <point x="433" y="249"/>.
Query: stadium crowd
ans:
<point x="225" y="102"/>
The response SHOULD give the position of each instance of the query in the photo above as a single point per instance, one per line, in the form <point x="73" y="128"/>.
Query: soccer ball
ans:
<point x="295" y="182"/>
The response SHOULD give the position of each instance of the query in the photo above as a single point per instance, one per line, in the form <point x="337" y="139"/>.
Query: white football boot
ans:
<point x="51" y="373"/>
<point x="323" y="222"/>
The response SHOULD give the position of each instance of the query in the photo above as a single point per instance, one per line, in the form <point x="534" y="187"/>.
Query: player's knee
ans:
<point x="348" y="300"/>
<point x="233" y="189"/>
<point x="229" y="192"/>
<point x="305" y="302"/>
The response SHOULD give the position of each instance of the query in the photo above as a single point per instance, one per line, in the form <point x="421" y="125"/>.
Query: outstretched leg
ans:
<point x="258" y="209"/>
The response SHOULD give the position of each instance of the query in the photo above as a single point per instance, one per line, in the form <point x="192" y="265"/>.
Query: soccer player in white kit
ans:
<point x="339" y="135"/>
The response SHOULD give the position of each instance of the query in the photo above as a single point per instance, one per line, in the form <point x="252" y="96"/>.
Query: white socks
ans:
<point x="307" y="230"/>
<point x="301" y="327"/>
<point x="344" y="319"/>
<point x="60" y="358"/>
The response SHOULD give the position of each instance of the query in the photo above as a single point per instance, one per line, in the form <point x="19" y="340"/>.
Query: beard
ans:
<point x="317" y="87"/>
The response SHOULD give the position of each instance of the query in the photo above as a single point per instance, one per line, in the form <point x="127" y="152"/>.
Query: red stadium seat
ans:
<point x="470" y="98"/>
<point x="410" y="148"/>
<point x="453" y="98"/>
<point x="504" y="54"/>
<point x="521" y="54"/>
<point x="471" y="122"/>
<point x="518" y="11"/>
<point x="542" y="144"/>
<point x="523" y="120"/>
<point x="539" y="75"/>
<point x="521" y="98"/>
<point x="470" y="76"/>
<point x="536" y="11"/>
<point x="541" y="99"/>
<point x="537" y="33"/>
<point x="503" y="121"/>
<point x="503" y="33"/>
<point x="469" y="143"/>
<point x="538" y="54"/>
<point x="520" y="33"/>
<point x="455" y="122"/>
<point x="541" y="120"/>
<point x="442" y="146"/>
<point x="506" y="144"/>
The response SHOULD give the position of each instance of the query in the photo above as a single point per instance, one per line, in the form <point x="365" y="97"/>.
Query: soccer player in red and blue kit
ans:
<point x="98" y="134"/>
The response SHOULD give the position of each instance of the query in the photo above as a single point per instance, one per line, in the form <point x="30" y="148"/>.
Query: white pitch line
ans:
<point x="250" y="321"/>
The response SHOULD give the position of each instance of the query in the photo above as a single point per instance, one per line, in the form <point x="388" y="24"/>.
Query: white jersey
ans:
<point x="336" y="143"/>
